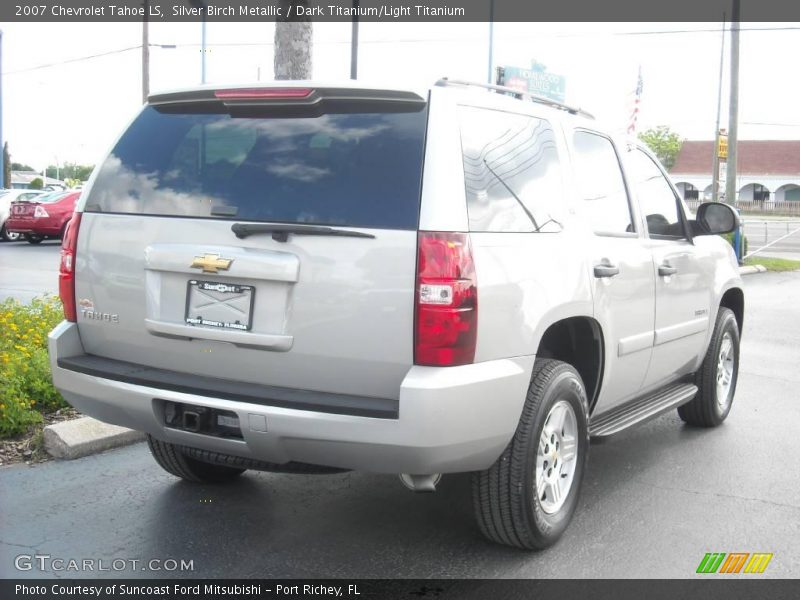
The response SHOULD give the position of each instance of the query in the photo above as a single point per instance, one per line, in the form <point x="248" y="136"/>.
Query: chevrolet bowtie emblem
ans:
<point x="211" y="263"/>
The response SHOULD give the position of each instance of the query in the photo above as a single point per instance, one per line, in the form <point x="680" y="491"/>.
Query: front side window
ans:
<point x="512" y="173"/>
<point x="601" y="188"/>
<point x="657" y="201"/>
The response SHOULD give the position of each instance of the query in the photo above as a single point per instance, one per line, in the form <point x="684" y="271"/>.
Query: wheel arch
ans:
<point x="578" y="341"/>
<point x="733" y="299"/>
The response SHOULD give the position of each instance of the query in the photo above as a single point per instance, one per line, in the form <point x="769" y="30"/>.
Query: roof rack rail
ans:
<point x="444" y="82"/>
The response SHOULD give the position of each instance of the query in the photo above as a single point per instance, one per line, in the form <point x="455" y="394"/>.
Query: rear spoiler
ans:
<point x="287" y="102"/>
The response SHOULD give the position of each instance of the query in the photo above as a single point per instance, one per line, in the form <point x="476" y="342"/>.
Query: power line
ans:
<point x="72" y="60"/>
<point x="771" y="124"/>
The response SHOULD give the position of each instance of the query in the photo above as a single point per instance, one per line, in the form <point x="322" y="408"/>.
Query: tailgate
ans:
<point x="260" y="246"/>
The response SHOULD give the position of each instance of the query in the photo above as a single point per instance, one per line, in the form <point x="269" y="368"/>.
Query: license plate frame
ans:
<point x="217" y="305"/>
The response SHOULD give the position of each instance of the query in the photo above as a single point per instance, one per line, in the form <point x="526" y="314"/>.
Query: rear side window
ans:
<point x="511" y="166"/>
<point x="360" y="170"/>
<point x="601" y="188"/>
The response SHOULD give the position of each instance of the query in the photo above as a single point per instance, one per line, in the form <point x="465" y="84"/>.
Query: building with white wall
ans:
<point x="767" y="170"/>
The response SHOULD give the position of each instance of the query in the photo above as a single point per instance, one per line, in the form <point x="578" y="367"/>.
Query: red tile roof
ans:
<point x="756" y="157"/>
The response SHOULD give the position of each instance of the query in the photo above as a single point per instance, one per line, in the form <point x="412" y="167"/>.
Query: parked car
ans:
<point x="306" y="279"/>
<point x="42" y="216"/>
<point x="6" y="198"/>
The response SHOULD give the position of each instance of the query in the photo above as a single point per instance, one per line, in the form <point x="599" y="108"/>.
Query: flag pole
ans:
<point x="635" y="112"/>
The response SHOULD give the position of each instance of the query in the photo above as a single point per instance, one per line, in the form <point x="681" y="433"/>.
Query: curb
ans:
<point x="751" y="269"/>
<point x="86" y="436"/>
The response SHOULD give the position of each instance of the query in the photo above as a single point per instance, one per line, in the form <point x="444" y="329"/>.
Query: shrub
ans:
<point x="26" y="387"/>
<point x="729" y="238"/>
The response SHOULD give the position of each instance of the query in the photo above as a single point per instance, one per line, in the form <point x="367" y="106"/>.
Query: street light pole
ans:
<point x="354" y="43"/>
<point x="203" y="49"/>
<point x="145" y="53"/>
<point x="490" y="76"/>
<point x="203" y="8"/>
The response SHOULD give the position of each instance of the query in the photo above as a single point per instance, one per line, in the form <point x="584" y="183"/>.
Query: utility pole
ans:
<point x="145" y="53"/>
<point x="293" y="41"/>
<point x="715" y="162"/>
<point x="354" y="43"/>
<point x="733" y="117"/>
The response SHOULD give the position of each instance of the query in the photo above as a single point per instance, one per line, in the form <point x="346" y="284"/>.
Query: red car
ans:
<point x="44" y="216"/>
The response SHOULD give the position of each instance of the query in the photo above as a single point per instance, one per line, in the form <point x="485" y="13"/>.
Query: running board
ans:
<point x="641" y="410"/>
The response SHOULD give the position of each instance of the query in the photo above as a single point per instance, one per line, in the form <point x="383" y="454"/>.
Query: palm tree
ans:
<point x="293" y="42"/>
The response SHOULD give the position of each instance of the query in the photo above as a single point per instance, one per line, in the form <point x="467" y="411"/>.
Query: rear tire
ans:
<point x="716" y="379"/>
<point x="528" y="496"/>
<point x="173" y="460"/>
<point x="33" y="238"/>
<point x="7" y="236"/>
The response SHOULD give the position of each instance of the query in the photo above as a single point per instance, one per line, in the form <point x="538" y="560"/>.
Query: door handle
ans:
<point x="601" y="271"/>
<point x="665" y="270"/>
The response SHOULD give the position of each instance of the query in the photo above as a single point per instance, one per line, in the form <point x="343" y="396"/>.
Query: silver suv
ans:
<point x="310" y="278"/>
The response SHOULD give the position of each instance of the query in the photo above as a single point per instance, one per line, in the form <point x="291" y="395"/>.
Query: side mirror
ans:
<point x="715" y="218"/>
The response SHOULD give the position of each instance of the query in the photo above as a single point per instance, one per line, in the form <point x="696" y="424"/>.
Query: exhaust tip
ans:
<point x="420" y="483"/>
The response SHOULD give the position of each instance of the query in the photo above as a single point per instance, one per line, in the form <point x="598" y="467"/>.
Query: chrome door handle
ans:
<point x="665" y="270"/>
<point x="601" y="271"/>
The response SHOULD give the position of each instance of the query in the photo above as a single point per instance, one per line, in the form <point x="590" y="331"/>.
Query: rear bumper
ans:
<point x="446" y="419"/>
<point x="36" y="226"/>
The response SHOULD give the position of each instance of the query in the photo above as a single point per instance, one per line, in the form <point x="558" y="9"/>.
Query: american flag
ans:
<point x="636" y="100"/>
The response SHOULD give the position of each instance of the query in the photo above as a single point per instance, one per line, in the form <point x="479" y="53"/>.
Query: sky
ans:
<point x="56" y="111"/>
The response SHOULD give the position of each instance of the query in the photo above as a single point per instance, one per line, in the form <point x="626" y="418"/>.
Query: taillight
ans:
<point x="66" y="271"/>
<point x="40" y="212"/>
<point x="446" y="301"/>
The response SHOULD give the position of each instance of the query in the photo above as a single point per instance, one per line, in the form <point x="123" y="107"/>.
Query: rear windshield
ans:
<point x="360" y="170"/>
<point x="51" y="197"/>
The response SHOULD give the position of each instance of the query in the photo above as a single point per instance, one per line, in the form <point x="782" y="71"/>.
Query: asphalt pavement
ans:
<point x="27" y="271"/>
<point x="762" y="232"/>
<point x="654" y="500"/>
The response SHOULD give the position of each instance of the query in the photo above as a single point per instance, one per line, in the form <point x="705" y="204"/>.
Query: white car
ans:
<point x="308" y="277"/>
<point x="6" y="198"/>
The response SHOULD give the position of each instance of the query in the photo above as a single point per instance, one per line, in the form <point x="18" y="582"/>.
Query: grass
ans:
<point x="773" y="264"/>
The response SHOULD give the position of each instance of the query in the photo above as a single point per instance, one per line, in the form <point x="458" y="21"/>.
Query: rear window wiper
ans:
<point x="280" y="233"/>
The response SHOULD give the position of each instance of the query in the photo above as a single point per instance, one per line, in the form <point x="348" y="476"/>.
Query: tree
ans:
<point x="664" y="143"/>
<point x="6" y="166"/>
<point x="36" y="184"/>
<point x="70" y="171"/>
<point x="15" y="166"/>
<point x="293" y="41"/>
